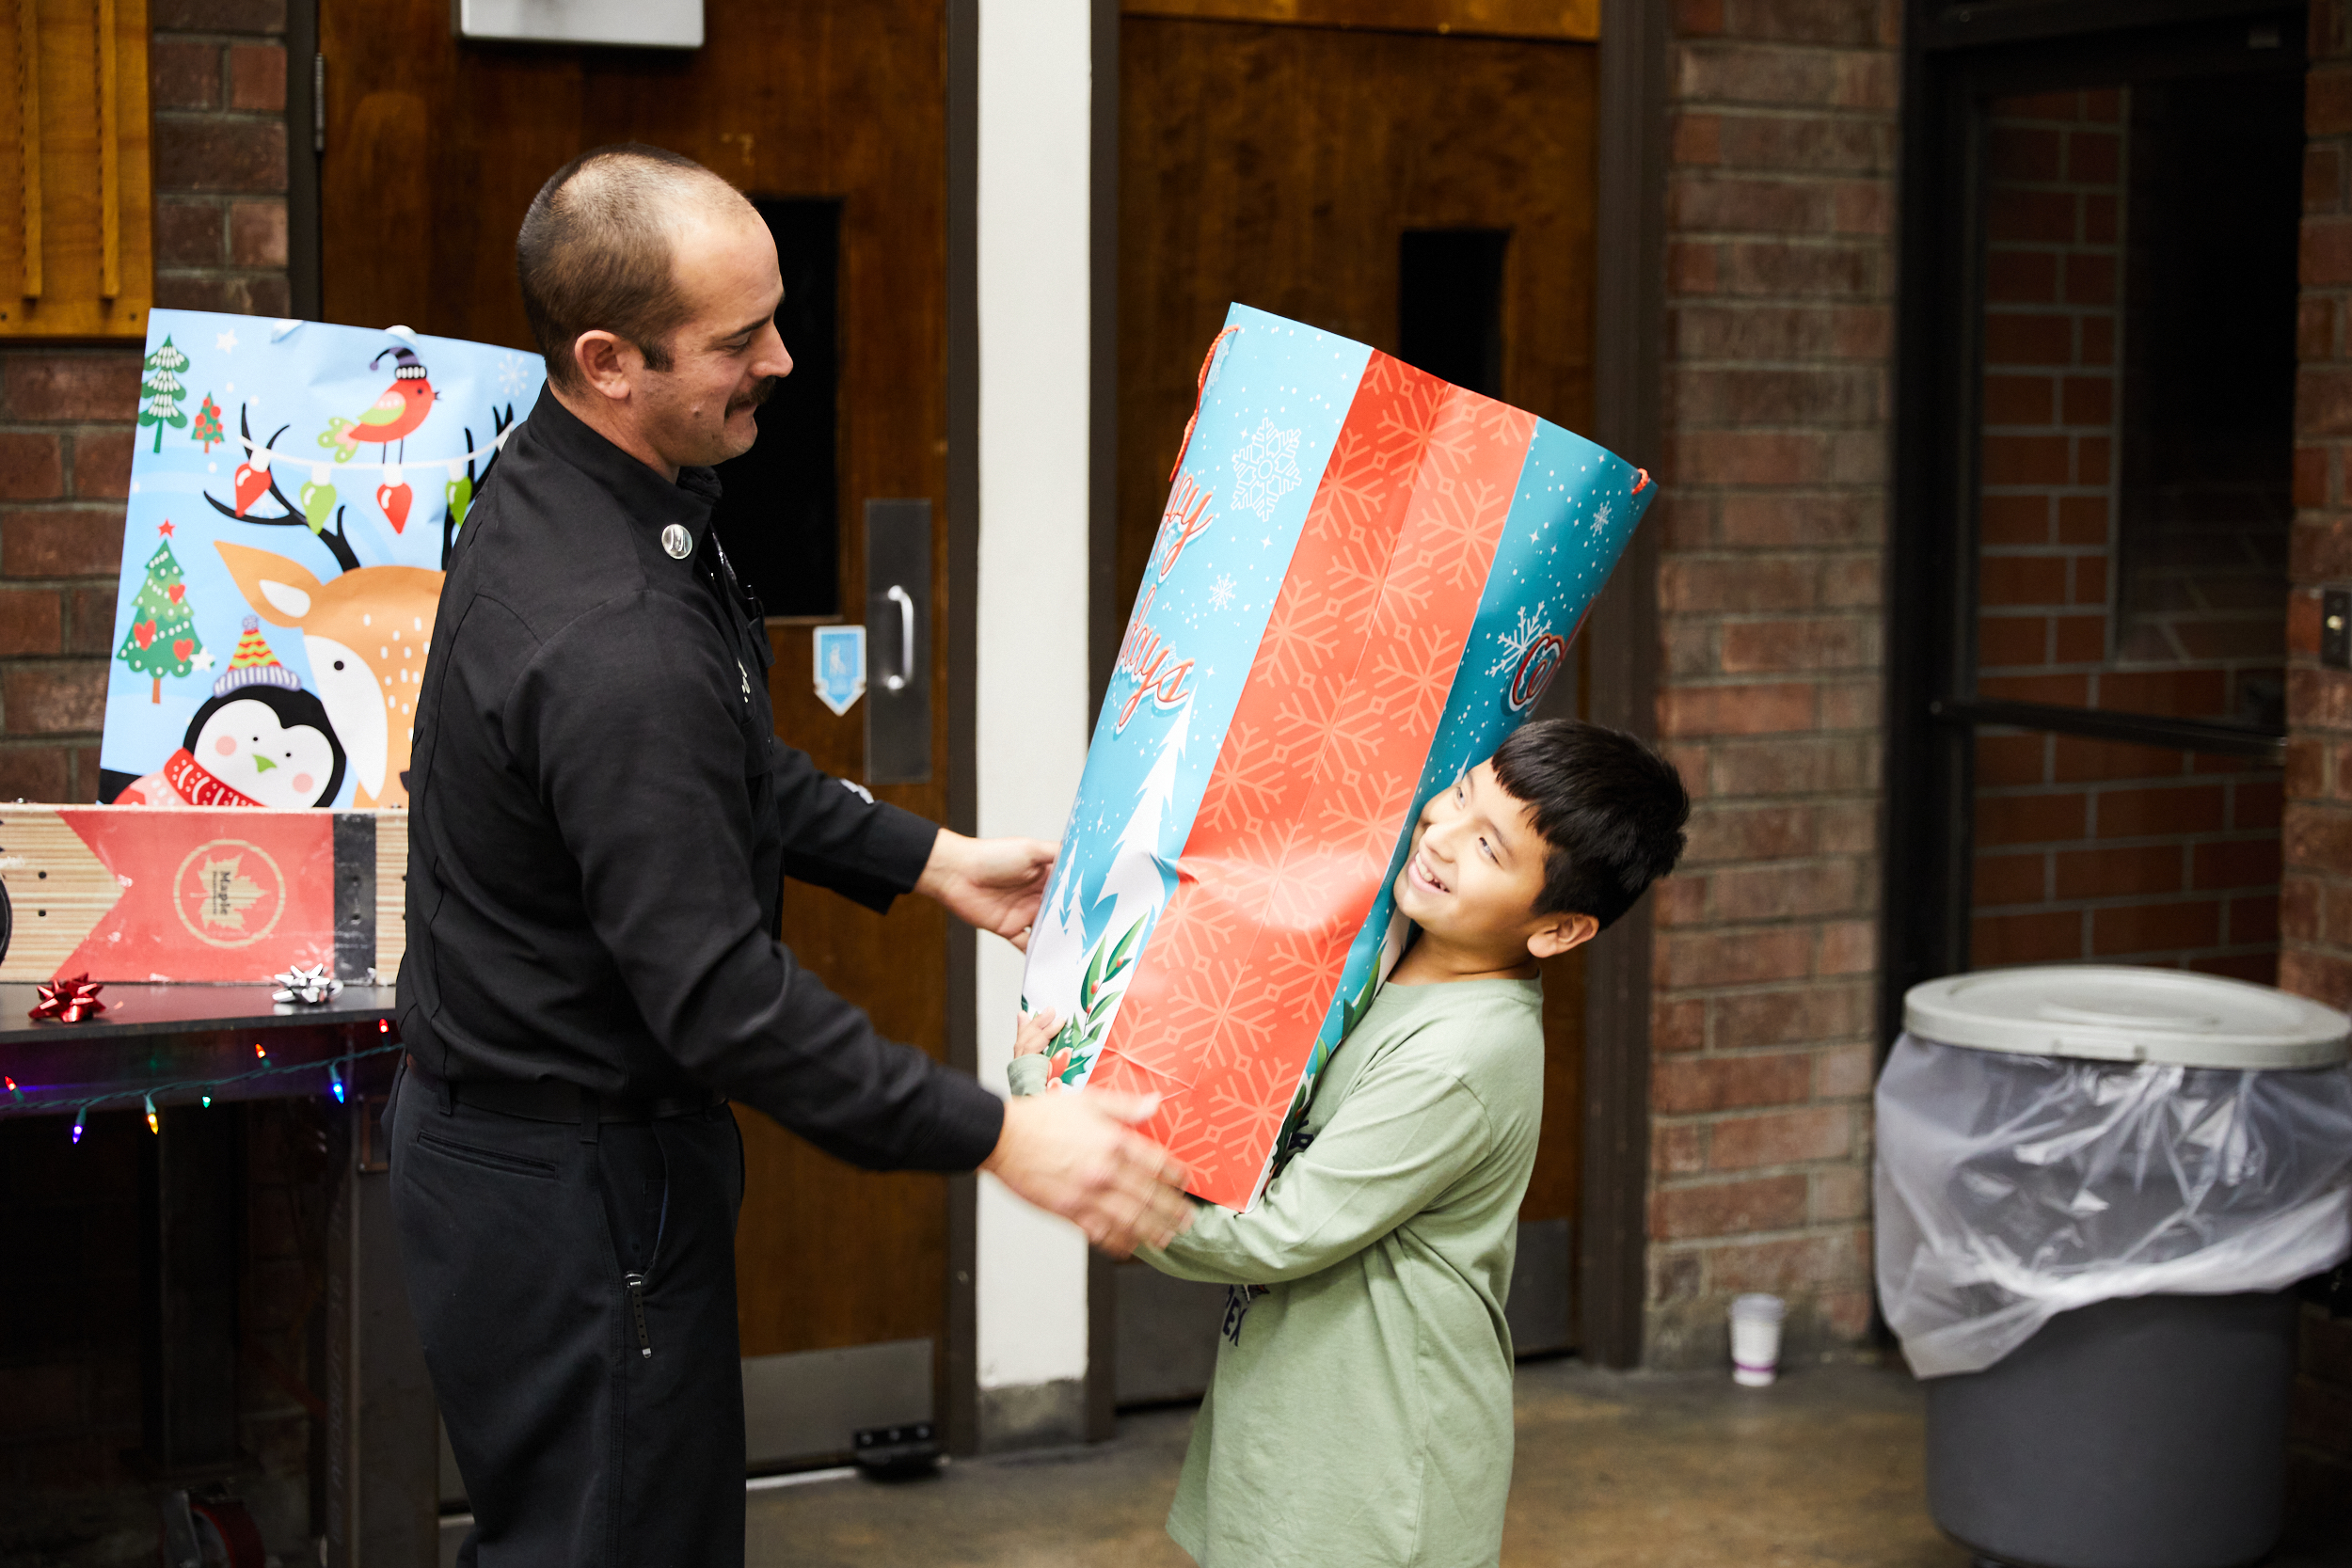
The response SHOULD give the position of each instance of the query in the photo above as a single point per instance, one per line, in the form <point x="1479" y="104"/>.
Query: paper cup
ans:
<point x="1756" y="1339"/>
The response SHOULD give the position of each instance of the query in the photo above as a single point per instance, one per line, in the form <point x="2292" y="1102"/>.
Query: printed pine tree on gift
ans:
<point x="160" y="385"/>
<point x="162" y="639"/>
<point x="206" y="432"/>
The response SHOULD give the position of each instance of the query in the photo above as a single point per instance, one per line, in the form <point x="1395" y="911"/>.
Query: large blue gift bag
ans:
<point x="1364" y="578"/>
<point x="295" y="490"/>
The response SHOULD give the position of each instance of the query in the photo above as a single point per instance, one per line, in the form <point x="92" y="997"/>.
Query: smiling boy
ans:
<point x="1361" y="1408"/>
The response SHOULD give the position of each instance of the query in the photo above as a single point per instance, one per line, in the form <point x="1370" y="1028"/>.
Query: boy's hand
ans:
<point x="1035" y="1034"/>
<point x="1072" y="1155"/>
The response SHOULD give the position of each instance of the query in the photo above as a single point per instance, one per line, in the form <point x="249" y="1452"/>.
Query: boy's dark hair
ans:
<point x="1611" y="809"/>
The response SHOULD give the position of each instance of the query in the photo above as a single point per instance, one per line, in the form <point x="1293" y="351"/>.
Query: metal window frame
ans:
<point x="1955" y="57"/>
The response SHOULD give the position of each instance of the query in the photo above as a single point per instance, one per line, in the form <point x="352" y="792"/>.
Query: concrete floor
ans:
<point x="1613" y="1471"/>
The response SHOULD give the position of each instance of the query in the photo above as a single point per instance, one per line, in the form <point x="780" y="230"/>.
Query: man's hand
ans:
<point x="993" y="884"/>
<point x="1072" y="1155"/>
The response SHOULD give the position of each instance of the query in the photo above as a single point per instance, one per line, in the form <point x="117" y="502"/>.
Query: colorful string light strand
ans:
<point x="337" y="1084"/>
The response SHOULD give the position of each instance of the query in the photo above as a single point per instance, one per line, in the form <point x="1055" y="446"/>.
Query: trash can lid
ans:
<point x="2115" y="1013"/>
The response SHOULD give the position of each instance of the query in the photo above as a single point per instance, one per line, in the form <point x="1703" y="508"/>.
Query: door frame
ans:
<point x="1621" y="643"/>
<point x="1955" y="55"/>
<point x="1621" y="646"/>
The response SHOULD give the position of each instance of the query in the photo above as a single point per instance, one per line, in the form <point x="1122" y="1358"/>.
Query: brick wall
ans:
<point x="1779" y="293"/>
<point x="68" y="1358"/>
<point x="217" y="72"/>
<point x="2316" y="901"/>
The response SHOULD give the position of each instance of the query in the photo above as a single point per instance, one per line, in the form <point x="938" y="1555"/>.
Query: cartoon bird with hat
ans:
<point x="399" y="411"/>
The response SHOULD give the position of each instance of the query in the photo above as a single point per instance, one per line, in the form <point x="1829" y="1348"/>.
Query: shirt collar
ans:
<point x="651" y="502"/>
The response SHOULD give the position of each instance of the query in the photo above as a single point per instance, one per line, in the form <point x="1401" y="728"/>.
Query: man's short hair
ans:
<point x="1610" y="810"/>
<point x="596" y="251"/>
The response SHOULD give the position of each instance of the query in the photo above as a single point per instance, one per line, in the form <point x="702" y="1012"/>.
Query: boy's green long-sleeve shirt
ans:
<point x="1361" y="1409"/>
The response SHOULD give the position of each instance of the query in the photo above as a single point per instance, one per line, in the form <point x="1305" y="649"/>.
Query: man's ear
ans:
<point x="1560" y="932"/>
<point x="607" y="361"/>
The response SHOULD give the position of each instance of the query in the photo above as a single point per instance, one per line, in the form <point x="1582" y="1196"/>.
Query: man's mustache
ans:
<point x="761" y="393"/>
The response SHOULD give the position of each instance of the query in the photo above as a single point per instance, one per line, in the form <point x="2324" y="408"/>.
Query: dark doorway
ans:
<point x="779" y="517"/>
<point x="1449" y="305"/>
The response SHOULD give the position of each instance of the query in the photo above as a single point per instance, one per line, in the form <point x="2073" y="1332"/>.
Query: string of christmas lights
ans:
<point x="338" y="1084"/>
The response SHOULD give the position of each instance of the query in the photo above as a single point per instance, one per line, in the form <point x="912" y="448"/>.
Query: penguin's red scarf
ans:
<point x="198" y="787"/>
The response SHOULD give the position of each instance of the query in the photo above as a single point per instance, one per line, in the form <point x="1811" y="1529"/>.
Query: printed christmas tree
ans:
<point x="160" y="385"/>
<point x="206" y="431"/>
<point x="162" y="639"/>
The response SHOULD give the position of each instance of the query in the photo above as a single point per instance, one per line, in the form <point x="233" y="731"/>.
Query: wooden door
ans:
<point x="1314" y="172"/>
<point x="434" y="149"/>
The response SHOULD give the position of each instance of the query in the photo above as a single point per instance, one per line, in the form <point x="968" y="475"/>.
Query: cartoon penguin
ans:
<point x="260" y="741"/>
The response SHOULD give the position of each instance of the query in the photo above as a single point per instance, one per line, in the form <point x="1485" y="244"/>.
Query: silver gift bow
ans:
<point x="309" y="984"/>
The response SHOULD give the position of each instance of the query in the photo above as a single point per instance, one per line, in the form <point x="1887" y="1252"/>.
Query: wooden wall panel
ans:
<point x="1277" y="165"/>
<point x="77" y="253"/>
<point x="1577" y="21"/>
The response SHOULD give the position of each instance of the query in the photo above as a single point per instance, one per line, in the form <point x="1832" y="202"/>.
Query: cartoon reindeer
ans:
<point x="366" y="633"/>
<point x="367" y="630"/>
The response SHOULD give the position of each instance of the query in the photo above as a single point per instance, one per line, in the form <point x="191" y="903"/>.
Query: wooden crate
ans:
<point x="133" y="893"/>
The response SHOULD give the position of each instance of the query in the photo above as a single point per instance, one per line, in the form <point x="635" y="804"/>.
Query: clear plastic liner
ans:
<point x="2012" y="1188"/>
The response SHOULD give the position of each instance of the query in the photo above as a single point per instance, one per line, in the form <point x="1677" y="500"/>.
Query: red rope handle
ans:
<point x="1200" y="391"/>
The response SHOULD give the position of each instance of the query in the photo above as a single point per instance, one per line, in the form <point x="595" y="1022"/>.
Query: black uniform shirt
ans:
<point x="601" y="819"/>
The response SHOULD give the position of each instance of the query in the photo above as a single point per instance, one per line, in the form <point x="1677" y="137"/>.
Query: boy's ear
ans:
<point x="1560" y="932"/>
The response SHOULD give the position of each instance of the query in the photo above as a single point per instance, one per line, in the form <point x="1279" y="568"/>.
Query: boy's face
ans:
<point x="1476" y="870"/>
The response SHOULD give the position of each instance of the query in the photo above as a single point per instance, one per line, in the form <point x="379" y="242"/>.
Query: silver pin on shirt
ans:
<point x="680" y="543"/>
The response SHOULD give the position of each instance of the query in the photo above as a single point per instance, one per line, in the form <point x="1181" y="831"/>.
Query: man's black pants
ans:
<point x="518" y="1238"/>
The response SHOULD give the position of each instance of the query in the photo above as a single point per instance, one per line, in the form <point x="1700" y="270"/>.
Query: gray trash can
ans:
<point x="2094" y="1188"/>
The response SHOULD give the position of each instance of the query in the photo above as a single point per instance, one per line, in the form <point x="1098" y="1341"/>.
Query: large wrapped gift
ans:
<point x="1363" y="581"/>
<point x="295" y="490"/>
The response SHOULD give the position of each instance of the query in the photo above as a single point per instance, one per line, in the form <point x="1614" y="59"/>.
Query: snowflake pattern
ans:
<point x="1221" y="593"/>
<point x="1265" y="469"/>
<point x="1534" y="625"/>
<point x="1600" y="519"/>
<point x="513" y="375"/>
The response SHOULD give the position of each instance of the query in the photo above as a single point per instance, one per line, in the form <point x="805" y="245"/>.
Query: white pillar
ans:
<point x="1032" y="715"/>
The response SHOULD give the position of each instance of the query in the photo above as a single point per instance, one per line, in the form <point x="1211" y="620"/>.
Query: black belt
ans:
<point x="550" y="1099"/>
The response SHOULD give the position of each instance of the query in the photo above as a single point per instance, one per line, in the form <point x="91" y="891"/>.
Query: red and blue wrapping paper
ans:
<point x="1363" y="581"/>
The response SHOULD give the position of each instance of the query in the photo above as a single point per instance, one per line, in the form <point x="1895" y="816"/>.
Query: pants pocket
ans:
<point x="488" y="1159"/>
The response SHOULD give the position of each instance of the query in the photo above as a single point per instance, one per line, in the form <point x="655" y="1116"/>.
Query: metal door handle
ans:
<point x="896" y="682"/>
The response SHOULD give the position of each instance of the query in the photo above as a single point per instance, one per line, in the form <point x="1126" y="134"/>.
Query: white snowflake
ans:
<point x="1221" y="594"/>
<point x="513" y="376"/>
<point x="1600" y="518"/>
<point x="226" y="343"/>
<point x="1265" y="469"/>
<point x="1534" y="625"/>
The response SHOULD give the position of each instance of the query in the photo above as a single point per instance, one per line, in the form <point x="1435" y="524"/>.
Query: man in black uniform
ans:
<point x="602" y="820"/>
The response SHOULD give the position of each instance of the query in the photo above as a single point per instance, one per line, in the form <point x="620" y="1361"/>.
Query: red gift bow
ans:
<point x="70" y="1001"/>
